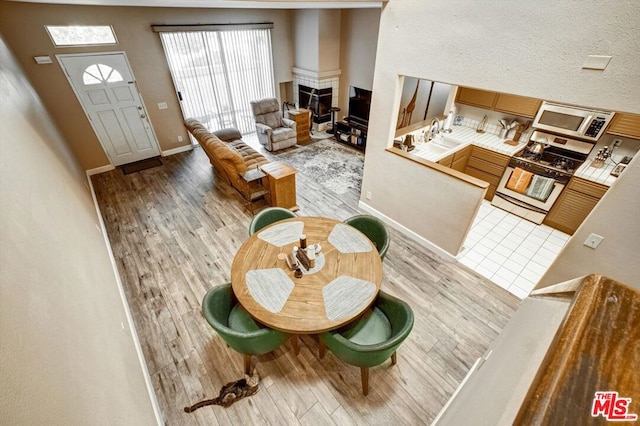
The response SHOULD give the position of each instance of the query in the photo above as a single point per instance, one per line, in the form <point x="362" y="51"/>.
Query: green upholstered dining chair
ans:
<point x="373" y="228"/>
<point x="372" y="339"/>
<point x="268" y="216"/>
<point x="236" y="327"/>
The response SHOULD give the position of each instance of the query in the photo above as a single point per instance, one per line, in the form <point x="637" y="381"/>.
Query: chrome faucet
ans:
<point x="434" y="129"/>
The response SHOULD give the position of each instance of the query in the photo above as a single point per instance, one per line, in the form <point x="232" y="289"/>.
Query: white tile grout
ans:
<point x="510" y="251"/>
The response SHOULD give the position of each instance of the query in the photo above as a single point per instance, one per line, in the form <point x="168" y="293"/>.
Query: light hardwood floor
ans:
<point x="174" y="230"/>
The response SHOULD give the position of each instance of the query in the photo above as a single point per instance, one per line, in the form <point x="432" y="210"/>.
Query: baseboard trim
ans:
<point x="99" y="170"/>
<point x="132" y="329"/>
<point x="408" y="232"/>
<point x="177" y="150"/>
<point x="166" y="153"/>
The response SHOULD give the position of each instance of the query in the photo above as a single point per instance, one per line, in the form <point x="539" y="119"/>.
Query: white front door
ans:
<point x="106" y="89"/>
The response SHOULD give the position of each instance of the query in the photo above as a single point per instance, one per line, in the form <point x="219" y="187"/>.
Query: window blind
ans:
<point x="217" y="73"/>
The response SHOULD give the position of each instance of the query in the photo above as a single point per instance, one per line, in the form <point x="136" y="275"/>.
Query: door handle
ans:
<point x="143" y="116"/>
<point x="139" y="107"/>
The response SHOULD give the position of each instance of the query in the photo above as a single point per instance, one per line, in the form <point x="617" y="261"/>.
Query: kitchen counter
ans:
<point x="600" y="175"/>
<point x="464" y="136"/>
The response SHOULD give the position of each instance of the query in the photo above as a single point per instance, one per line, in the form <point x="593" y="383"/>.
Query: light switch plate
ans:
<point x="593" y="241"/>
<point x="162" y="105"/>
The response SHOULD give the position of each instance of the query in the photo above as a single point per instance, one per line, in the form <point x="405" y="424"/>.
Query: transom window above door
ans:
<point x="81" y="35"/>
<point x="100" y="73"/>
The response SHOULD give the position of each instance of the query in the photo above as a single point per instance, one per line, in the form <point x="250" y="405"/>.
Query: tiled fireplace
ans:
<point x="320" y="100"/>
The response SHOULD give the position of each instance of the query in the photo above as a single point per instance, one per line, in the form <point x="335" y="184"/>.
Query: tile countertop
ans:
<point x="599" y="175"/>
<point x="467" y="136"/>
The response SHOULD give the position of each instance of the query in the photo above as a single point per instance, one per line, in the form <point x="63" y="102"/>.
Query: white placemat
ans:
<point x="347" y="239"/>
<point x="346" y="296"/>
<point x="269" y="287"/>
<point x="282" y="234"/>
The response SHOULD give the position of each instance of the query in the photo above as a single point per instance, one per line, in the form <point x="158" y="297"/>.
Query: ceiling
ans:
<point x="232" y="4"/>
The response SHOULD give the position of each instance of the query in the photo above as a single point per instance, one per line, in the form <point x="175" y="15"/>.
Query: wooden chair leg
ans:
<point x="247" y="364"/>
<point x="394" y="358"/>
<point x="296" y="346"/>
<point x="364" y="372"/>
<point x="322" y="348"/>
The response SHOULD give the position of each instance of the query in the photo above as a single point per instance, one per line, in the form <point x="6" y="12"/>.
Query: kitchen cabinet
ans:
<point x="461" y="159"/>
<point x="476" y="97"/>
<point x="488" y="166"/>
<point x="517" y="105"/>
<point x="574" y="204"/>
<point x="446" y="161"/>
<point x="624" y="124"/>
<point x="458" y="160"/>
<point x="503" y="102"/>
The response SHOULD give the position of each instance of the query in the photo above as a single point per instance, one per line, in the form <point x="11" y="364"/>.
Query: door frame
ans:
<point x="78" y="97"/>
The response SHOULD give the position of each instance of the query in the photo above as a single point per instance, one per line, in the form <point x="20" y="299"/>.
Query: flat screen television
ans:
<point x="359" y="105"/>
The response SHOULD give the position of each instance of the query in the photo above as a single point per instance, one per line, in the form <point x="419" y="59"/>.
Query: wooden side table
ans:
<point x="301" y="117"/>
<point x="282" y="184"/>
<point x="255" y="187"/>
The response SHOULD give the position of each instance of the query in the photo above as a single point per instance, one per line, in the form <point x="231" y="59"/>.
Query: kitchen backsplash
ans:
<point x="488" y="128"/>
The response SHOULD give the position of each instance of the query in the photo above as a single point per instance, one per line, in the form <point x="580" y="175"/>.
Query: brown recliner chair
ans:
<point x="274" y="131"/>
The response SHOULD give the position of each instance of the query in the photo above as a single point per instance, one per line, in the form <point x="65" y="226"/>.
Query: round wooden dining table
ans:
<point x="343" y="284"/>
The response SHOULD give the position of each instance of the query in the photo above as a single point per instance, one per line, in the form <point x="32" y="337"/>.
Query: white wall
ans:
<point x="64" y="358"/>
<point x="528" y="48"/>
<point x="359" y="41"/>
<point x="329" y="40"/>
<point x="305" y="39"/>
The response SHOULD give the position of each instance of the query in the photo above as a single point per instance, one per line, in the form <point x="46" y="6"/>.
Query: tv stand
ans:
<point x="351" y="133"/>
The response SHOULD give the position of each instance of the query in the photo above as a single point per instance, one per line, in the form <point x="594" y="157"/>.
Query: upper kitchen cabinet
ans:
<point x="476" y="97"/>
<point x="503" y="102"/>
<point x="517" y="105"/>
<point x="625" y="124"/>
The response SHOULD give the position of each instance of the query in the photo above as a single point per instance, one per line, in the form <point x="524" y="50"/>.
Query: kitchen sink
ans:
<point x="446" y="142"/>
<point x="430" y="151"/>
<point x="431" y="148"/>
<point x="437" y="148"/>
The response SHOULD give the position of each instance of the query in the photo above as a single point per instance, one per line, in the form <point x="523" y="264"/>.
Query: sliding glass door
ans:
<point x="217" y="73"/>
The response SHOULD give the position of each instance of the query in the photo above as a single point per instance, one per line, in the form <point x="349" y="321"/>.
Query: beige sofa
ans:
<point x="227" y="153"/>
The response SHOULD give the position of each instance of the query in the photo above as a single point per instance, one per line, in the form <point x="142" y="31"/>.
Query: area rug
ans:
<point x="141" y="165"/>
<point x="329" y="163"/>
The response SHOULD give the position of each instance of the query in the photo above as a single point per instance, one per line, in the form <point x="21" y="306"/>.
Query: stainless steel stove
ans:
<point x="536" y="176"/>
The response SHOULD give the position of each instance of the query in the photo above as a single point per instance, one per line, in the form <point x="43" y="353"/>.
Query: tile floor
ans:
<point x="510" y="251"/>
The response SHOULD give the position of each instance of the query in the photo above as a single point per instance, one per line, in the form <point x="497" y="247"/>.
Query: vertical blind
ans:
<point x="217" y="73"/>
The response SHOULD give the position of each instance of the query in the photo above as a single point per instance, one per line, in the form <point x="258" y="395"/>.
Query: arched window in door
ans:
<point x="100" y="73"/>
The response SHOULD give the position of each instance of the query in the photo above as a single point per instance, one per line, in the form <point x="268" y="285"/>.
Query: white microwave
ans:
<point x="572" y="121"/>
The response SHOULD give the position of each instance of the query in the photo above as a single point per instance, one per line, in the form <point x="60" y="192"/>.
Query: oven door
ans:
<point x="531" y="205"/>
